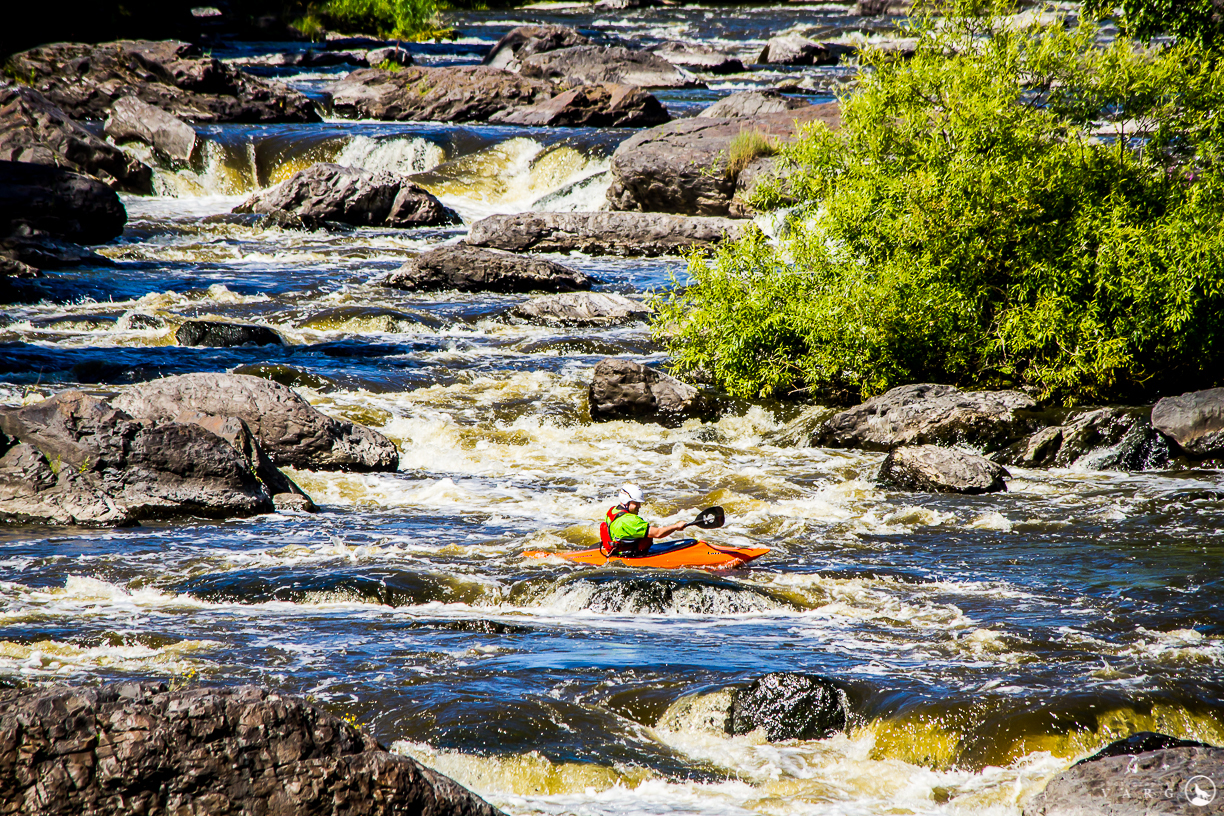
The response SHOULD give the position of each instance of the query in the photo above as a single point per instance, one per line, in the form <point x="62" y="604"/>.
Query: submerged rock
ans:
<point x="34" y="130"/>
<point x="686" y="167"/>
<point x="85" y="80"/>
<point x="605" y="105"/>
<point x="75" y="459"/>
<point x="129" y="748"/>
<point x="601" y="233"/>
<point x="475" y="269"/>
<point x="597" y="64"/>
<point x="524" y="41"/>
<point x="789" y="705"/>
<point x="464" y="93"/>
<point x="1195" y="421"/>
<point x="582" y="309"/>
<point x="350" y="195"/>
<point x="697" y="57"/>
<point x="224" y="335"/>
<point x="1102" y="439"/>
<point x="930" y="414"/>
<point x="623" y="389"/>
<point x="130" y="119"/>
<point x="288" y="428"/>
<point x="1176" y="780"/>
<point x="932" y="469"/>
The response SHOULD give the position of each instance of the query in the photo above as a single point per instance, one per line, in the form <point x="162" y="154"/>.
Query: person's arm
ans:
<point x="666" y="530"/>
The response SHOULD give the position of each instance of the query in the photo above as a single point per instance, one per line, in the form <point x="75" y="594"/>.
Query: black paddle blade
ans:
<point x="710" y="518"/>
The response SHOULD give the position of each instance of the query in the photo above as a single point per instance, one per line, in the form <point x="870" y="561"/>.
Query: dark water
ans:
<point x="987" y="641"/>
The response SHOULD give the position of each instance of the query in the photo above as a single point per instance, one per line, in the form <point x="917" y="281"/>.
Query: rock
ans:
<point x="794" y="49"/>
<point x="395" y="55"/>
<point x="34" y="130"/>
<point x="350" y="195"/>
<point x="57" y="203"/>
<point x="883" y="8"/>
<point x="294" y="503"/>
<point x="222" y="335"/>
<point x="465" y="93"/>
<point x="1194" y="420"/>
<point x="288" y="429"/>
<point x="86" y="80"/>
<point x="524" y="41"/>
<point x="930" y="414"/>
<point x="75" y="459"/>
<point x="932" y="469"/>
<point x="1170" y="780"/>
<point x="582" y="309"/>
<point x="752" y="104"/>
<point x="1140" y="743"/>
<point x="37" y="249"/>
<point x="789" y="705"/>
<point x="601" y="233"/>
<point x="128" y="748"/>
<point x="622" y="389"/>
<point x="131" y="119"/>
<point x="475" y="269"/>
<point x="598" y="64"/>
<point x="604" y="105"/>
<point x="697" y="57"/>
<point x="746" y="181"/>
<point x="1103" y="439"/>
<point x="685" y="166"/>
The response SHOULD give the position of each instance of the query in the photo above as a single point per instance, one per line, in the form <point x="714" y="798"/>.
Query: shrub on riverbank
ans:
<point x="392" y="19"/>
<point x="1009" y="207"/>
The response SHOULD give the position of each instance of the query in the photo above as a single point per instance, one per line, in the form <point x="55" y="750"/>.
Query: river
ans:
<point x="987" y="641"/>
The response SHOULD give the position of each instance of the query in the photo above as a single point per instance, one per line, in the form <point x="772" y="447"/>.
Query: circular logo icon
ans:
<point x="1200" y="791"/>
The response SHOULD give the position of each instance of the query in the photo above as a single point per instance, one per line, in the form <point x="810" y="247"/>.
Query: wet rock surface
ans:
<point x="85" y="80"/>
<point x="623" y="389"/>
<point x="141" y="748"/>
<point x="477" y="269"/>
<point x="469" y="93"/>
<point x="582" y="309"/>
<point x="604" y="105"/>
<point x="1102" y="439"/>
<point x="925" y="413"/>
<point x="1195" y="421"/>
<point x="76" y="459"/>
<point x="289" y="429"/>
<point x="751" y="104"/>
<point x="683" y="167"/>
<point x="597" y="64"/>
<point x="601" y="233"/>
<point x="218" y="334"/>
<point x="794" y="49"/>
<point x="349" y="195"/>
<point x="34" y="130"/>
<point x="932" y="469"/>
<point x="130" y="119"/>
<point x="789" y="705"/>
<point x="697" y="57"/>
<point x="57" y="203"/>
<point x="523" y="41"/>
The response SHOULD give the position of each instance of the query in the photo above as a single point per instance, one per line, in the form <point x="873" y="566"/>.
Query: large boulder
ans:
<point x="623" y="389"/>
<point x="36" y="131"/>
<point x="129" y="748"/>
<point x="697" y="57"/>
<point x="930" y="414"/>
<point x="218" y="334"/>
<point x="789" y="705"/>
<point x="86" y="80"/>
<point x="1101" y="439"/>
<point x="476" y="269"/>
<point x="604" y="105"/>
<point x="464" y="93"/>
<point x="601" y="233"/>
<point x="795" y="49"/>
<point x="133" y="120"/>
<point x="1195" y="421"/>
<point x="597" y="64"/>
<point x="350" y="195"/>
<point x="288" y="428"/>
<point x="57" y="203"/>
<point x="75" y="459"/>
<point x="1129" y="782"/>
<point x="932" y="469"/>
<point x="752" y="104"/>
<point x="581" y="309"/>
<point x="688" y="166"/>
<point x="524" y="41"/>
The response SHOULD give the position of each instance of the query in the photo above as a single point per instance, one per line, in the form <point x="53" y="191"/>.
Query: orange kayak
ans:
<point x="688" y="552"/>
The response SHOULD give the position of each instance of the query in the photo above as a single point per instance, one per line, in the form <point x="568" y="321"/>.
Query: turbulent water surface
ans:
<point x="987" y="641"/>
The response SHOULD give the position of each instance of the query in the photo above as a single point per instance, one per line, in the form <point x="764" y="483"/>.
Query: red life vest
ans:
<point x="608" y="546"/>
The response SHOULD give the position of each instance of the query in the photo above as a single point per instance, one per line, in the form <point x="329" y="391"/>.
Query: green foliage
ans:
<point x="393" y="19"/>
<point x="1200" y="21"/>
<point x="1007" y="208"/>
<point x="746" y="147"/>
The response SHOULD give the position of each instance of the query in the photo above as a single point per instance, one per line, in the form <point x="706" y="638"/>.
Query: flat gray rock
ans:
<point x="605" y="105"/>
<point x="697" y="57"/>
<point x="751" y="104"/>
<point x="582" y="309"/>
<point x="596" y="64"/>
<point x="462" y="93"/>
<point x="623" y="389"/>
<point x="1195" y="421"/>
<point x="523" y="41"/>
<point x="477" y="269"/>
<point x="932" y="469"/>
<point x="795" y="49"/>
<point x="132" y="119"/>
<point x="601" y="233"/>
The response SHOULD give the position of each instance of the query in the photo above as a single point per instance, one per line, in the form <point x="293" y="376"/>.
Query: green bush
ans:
<point x="393" y="19"/>
<point x="1007" y="208"/>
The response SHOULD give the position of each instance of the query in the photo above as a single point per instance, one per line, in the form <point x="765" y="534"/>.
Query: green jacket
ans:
<point x="628" y="527"/>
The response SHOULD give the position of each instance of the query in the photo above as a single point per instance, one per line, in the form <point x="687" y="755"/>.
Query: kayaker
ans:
<point x="627" y="533"/>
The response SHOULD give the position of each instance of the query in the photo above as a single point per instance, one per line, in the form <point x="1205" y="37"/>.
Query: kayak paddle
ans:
<point x="709" y="518"/>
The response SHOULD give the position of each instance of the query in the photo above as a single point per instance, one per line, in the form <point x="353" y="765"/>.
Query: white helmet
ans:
<point x="630" y="492"/>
